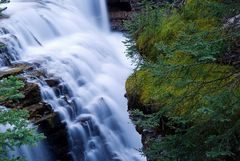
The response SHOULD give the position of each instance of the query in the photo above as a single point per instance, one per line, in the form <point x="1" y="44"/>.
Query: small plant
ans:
<point x="15" y="129"/>
<point x="9" y="89"/>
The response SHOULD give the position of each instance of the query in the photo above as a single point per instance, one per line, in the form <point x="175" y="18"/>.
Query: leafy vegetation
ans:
<point x="15" y="129"/>
<point x="156" y="33"/>
<point x="184" y="91"/>
<point x="9" y="89"/>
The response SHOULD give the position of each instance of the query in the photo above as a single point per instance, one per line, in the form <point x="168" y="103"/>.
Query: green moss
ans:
<point x="197" y="18"/>
<point x="200" y="102"/>
<point x="180" y="80"/>
<point x="184" y="79"/>
<point x="142" y="84"/>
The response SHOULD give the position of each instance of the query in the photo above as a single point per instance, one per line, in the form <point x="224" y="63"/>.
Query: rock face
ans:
<point x="146" y="133"/>
<point x="4" y="58"/>
<point x="233" y="56"/>
<point x="40" y="113"/>
<point x="119" y="11"/>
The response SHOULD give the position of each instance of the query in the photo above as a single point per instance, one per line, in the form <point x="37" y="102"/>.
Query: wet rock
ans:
<point x="15" y="70"/>
<point x="233" y="22"/>
<point x="53" y="82"/>
<point x="40" y="113"/>
<point x="4" y="57"/>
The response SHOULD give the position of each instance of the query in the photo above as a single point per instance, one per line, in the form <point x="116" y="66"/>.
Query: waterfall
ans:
<point x="72" y="41"/>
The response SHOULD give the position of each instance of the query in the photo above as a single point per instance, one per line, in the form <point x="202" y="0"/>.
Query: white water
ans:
<point x="71" y="39"/>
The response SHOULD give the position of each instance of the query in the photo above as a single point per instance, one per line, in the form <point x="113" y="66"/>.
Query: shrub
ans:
<point x="193" y="98"/>
<point x="15" y="128"/>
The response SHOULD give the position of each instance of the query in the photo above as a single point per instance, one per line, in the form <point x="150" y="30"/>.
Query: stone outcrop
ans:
<point x="146" y="133"/>
<point x="233" y="56"/>
<point x="4" y="57"/>
<point x="40" y="112"/>
<point x="121" y="10"/>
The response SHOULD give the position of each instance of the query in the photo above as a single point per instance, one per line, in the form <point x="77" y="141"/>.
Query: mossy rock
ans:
<point x="195" y="81"/>
<point x="196" y="18"/>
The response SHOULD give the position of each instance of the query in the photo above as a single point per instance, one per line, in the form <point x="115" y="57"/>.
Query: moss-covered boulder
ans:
<point x="184" y="95"/>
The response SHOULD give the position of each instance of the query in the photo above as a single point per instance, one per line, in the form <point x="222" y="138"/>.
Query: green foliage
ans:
<point x="190" y="97"/>
<point x="157" y="28"/>
<point x="210" y="132"/>
<point x="139" y="28"/>
<point x="9" y="89"/>
<point x="1" y="45"/>
<point x="199" y="102"/>
<point x="16" y="130"/>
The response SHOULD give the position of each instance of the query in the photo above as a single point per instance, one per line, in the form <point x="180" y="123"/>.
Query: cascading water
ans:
<point x="71" y="39"/>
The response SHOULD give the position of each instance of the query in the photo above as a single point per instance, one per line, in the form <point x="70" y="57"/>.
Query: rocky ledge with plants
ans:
<point x="184" y="95"/>
<point x="20" y="93"/>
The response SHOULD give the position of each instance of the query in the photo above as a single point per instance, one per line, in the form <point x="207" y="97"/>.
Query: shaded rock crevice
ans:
<point x="119" y="11"/>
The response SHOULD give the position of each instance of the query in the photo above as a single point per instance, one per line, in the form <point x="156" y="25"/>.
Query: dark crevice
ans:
<point x="119" y="6"/>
